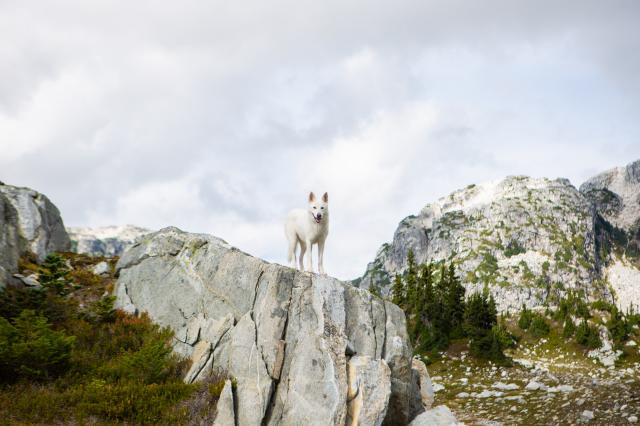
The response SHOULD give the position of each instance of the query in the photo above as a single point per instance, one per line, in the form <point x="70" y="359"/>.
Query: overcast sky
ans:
<point x="220" y="116"/>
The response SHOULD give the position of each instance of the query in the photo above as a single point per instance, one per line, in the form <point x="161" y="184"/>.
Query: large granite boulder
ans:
<point x="29" y="222"/>
<point x="303" y="348"/>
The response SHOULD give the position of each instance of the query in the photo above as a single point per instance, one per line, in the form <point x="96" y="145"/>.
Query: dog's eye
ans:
<point x="314" y="207"/>
<point x="322" y="208"/>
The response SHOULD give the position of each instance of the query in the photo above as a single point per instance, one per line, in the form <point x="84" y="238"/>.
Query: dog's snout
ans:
<point x="319" y="215"/>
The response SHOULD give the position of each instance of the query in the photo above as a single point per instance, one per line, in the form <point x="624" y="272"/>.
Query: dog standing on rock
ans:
<point x="308" y="227"/>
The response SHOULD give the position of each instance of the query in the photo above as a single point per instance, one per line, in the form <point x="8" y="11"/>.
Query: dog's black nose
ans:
<point x="319" y="216"/>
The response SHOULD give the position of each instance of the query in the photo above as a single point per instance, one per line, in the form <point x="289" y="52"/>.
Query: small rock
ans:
<point x="579" y="402"/>
<point x="533" y="385"/>
<point x="502" y="386"/>
<point x="437" y="387"/>
<point x="101" y="268"/>
<point x="30" y="281"/>
<point x="631" y="343"/>
<point x="463" y="395"/>
<point x="488" y="394"/>
<point x="587" y="415"/>
<point x="632" y="419"/>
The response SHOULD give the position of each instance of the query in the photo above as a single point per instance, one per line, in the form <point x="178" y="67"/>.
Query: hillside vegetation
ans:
<point x="67" y="356"/>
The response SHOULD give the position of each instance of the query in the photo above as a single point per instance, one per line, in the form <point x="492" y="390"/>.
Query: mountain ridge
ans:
<point x="529" y="240"/>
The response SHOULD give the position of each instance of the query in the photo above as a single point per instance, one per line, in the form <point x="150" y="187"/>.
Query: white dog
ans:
<point x="308" y="227"/>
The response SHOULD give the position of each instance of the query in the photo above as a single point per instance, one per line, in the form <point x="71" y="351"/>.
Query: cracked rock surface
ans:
<point x="303" y="348"/>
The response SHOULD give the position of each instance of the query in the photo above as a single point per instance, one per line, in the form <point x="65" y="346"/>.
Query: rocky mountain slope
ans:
<point x="528" y="240"/>
<point x="29" y="223"/>
<point x="104" y="241"/>
<point x="615" y="194"/>
<point x="304" y="348"/>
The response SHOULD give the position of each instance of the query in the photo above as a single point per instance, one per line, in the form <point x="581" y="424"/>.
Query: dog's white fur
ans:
<point x="308" y="227"/>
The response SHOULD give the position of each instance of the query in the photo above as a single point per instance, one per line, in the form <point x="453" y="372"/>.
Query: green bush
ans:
<point x="152" y="363"/>
<point x="539" y="326"/>
<point x="526" y="316"/>
<point x="31" y="349"/>
<point x="54" y="274"/>
<point x="506" y="339"/>
<point x="618" y="326"/>
<point x="514" y="248"/>
<point x="569" y="328"/>
<point x="582" y="310"/>
<point x="588" y="336"/>
<point x="488" y="346"/>
<point x="601" y="305"/>
<point x="131" y="401"/>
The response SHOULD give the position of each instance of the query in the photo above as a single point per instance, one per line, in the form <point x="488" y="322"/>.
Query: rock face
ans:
<point x="303" y="348"/>
<point x="526" y="239"/>
<point x="616" y="195"/>
<point x="29" y="222"/>
<point x="106" y="240"/>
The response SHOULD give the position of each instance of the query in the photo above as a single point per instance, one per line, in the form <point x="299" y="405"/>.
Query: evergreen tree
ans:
<point x="411" y="283"/>
<point x="455" y="303"/>
<point x="524" y="321"/>
<point x="618" y="327"/>
<point x="397" y="291"/>
<point x="569" y="328"/>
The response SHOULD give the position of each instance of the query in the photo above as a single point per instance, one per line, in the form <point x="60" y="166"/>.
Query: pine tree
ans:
<point x="398" y="295"/>
<point x="454" y="303"/>
<point x="411" y="284"/>
<point x="618" y="327"/>
<point x="569" y="328"/>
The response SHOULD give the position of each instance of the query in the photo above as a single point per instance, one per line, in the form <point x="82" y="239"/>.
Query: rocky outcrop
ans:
<point x="526" y="239"/>
<point x="105" y="241"/>
<point x="616" y="195"/>
<point x="303" y="348"/>
<point x="29" y="222"/>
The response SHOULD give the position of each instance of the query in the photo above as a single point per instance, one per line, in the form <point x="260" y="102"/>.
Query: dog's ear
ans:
<point x="325" y="197"/>
<point x="312" y="197"/>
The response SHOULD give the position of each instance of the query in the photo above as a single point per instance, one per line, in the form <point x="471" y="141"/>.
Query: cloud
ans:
<point x="220" y="116"/>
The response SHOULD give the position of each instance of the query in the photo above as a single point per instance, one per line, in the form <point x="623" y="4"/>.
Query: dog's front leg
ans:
<point x="320" y="254"/>
<point x="309" y="263"/>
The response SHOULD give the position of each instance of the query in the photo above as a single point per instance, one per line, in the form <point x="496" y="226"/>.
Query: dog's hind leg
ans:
<point x="303" y="249"/>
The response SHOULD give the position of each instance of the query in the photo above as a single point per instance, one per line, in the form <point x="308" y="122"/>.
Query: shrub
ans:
<point x="569" y="328"/>
<point x="601" y="305"/>
<point x="526" y="316"/>
<point x="514" y="248"/>
<point x="539" y="326"/>
<point x="103" y="310"/>
<point x="488" y="346"/>
<point x="506" y="339"/>
<point x="582" y="310"/>
<point x="588" y="336"/>
<point x="54" y="273"/>
<point x="152" y="363"/>
<point x="618" y="326"/>
<point x="31" y="349"/>
<point x="131" y="401"/>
